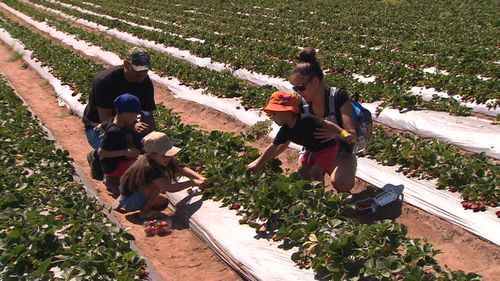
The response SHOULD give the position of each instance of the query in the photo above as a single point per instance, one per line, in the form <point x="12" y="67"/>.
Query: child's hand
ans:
<point x="200" y="182"/>
<point x="254" y="166"/>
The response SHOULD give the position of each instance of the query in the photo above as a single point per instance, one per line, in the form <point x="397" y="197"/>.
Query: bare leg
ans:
<point x="344" y="172"/>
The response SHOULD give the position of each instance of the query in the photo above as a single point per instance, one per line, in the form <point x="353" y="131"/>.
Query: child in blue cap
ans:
<point x="118" y="150"/>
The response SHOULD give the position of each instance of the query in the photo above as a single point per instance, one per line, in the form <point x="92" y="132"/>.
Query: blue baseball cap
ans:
<point x="127" y="103"/>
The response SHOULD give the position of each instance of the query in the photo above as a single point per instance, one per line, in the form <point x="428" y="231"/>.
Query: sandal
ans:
<point x="389" y="194"/>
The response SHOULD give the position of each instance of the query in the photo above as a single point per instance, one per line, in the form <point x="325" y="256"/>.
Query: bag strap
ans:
<point x="305" y="105"/>
<point x="333" y="92"/>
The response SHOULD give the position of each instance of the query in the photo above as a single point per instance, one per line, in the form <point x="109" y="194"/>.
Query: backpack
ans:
<point x="362" y="118"/>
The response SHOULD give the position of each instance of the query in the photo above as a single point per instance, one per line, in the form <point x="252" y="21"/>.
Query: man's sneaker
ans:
<point x="95" y="165"/>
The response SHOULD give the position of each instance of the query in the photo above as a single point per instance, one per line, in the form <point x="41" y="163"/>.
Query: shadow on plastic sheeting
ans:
<point x="390" y="211"/>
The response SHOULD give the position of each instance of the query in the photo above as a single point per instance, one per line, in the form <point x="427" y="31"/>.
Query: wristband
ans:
<point x="344" y="134"/>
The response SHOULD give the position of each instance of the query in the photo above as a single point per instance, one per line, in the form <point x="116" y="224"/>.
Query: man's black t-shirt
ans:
<point x="115" y="138"/>
<point x="107" y="86"/>
<point x="303" y="133"/>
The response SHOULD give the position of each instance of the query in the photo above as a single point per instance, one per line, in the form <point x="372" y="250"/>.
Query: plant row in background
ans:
<point x="273" y="58"/>
<point x="48" y="225"/>
<point x="475" y="188"/>
<point x="474" y="176"/>
<point x="302" y="215"/>
<point x="392" y="94"/>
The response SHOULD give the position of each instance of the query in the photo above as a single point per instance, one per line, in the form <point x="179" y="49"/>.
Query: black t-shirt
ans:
<point x="303" y="133"/>
<point x="116" y="138"/>
<point x="107" y="86"/>
<point x="341" y="97"/>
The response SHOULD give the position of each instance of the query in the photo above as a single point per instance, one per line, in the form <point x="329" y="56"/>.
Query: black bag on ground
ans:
<point x="95" y="165"/>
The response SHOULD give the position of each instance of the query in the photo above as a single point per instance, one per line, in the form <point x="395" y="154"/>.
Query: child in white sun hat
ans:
<point x="154" y="173"/>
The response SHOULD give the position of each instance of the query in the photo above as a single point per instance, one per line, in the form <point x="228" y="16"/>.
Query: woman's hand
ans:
<point x="325" y="134"/>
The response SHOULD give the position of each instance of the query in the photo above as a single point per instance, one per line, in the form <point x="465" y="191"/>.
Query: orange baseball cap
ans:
<point x="283" y="101"/>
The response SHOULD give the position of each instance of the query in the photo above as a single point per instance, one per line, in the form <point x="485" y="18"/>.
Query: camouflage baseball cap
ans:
<point x="139" y="58"/>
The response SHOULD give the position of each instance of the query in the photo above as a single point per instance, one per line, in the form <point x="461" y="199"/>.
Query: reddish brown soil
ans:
<point x="182" y="256"/>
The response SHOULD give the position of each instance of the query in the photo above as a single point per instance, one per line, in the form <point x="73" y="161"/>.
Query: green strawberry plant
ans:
<point x="46" y="219"/>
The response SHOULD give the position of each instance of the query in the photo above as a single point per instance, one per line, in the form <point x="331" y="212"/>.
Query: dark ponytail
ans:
<point x="308" y="64"/>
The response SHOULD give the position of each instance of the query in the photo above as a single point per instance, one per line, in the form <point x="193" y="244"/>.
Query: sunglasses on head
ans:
<point x="302" y="87"/>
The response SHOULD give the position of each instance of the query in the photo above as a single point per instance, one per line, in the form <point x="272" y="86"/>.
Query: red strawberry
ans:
<point x="143" y="273"/>
<point x="482" y="207"/>
<point x="234" y="206"/>
<point x="151" y="223"/>
<point x="497" y="213"/>
<point x="59" y="217"/>
<point x="475" y="207"/>
<point x="150" y="231"/>
<point x="163" y="223"/>
<point x="466" y="205"/>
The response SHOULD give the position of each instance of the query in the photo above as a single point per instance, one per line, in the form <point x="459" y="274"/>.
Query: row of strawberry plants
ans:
<point x="264" y="25"/>
<point x="384" y="69"/>
<point x="300" y="214"/>
<point x="61" y="60"/>
<point x="216" y="83"/>
<point x="220" y="84"/>
<point x="475" y="177"/>
<point x="49" y="227"/>
<point x="477" y="190"/>
<point x="263" y="54"/>
<point x="392" y="94"/>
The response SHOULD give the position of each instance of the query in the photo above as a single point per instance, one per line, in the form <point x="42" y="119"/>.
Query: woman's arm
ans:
<point x="271" y="152"/>
<point x="330" y="130"/>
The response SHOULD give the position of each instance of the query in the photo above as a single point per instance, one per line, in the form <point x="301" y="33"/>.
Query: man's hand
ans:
<point x="141" y="128"/>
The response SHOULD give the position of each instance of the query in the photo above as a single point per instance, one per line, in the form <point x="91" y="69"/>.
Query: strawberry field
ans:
<point x="454" y="52"/>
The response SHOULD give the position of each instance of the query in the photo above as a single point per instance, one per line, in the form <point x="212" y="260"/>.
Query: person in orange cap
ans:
<point x="154" y="173"/>
<point x="283" y="109"/>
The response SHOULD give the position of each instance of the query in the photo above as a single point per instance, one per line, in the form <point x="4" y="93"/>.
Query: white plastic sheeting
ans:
<point x="424" y="195"/>
<point x="257" y="78"/>
<point x="230" y="107"/>
<point x="258" y="259"/>
<point x="472" y="134"/>
<point x="64" y="93"/>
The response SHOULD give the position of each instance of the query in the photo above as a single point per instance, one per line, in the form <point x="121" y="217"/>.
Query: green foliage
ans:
<point x="301" y="215"/>
<point x="346" y="49"/>
<point x="46" y="219"/>
<point x="474" y="176"/>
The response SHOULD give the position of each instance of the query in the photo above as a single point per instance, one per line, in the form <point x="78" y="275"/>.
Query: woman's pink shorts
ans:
<point x="323" y="158"/>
